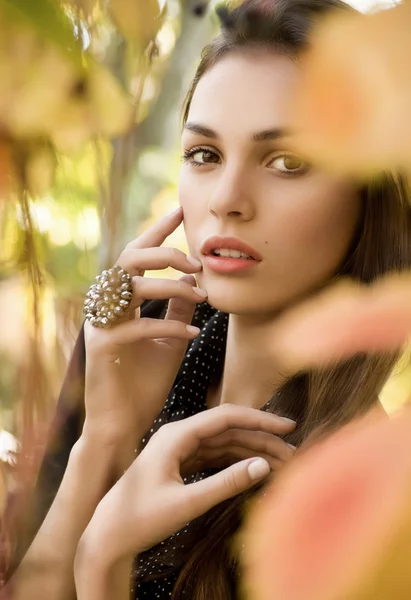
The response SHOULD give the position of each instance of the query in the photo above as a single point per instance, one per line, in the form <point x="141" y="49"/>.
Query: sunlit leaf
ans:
<point x="101" y="107"/>
<point x="111" y="109"/>
<point x="47" y="19"/>
<point x="337" y="523"/>
<point x="81" y="102"/>
<point x="138" y="20"/>
<point x="27" y="68"/>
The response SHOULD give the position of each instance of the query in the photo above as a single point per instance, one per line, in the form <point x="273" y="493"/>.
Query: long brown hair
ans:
<point x="323" y="399"/>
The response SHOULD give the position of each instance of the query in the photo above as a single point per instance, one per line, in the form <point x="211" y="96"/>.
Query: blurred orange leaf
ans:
<point x="84" y="100"/>
<point x="345" y="319"/>
<point x="337" y="523"/>
<point x="352" y="106"/>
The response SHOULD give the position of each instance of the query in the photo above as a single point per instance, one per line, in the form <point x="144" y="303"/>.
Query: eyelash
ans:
<point x="188" y="154"/>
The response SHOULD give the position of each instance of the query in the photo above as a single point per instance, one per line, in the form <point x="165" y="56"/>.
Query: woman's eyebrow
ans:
<point x="201" y="130"/>
<point x="261" y="136"/>
<point x="270" y="134"/>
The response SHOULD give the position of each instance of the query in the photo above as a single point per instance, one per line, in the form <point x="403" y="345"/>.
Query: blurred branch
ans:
<point x="130" y="189"/>
<point x="196" y="31"/>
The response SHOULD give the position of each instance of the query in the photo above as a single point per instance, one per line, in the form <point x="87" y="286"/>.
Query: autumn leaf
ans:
<point x="337" y="522"/>
<point x="138" y="20"/>
<point x="345" y="319"/>
<point x="47" y="20"/>
<point x="351" y="107"/>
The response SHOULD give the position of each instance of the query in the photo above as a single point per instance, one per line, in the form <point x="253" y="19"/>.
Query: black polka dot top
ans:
<point x="156" y="570"/>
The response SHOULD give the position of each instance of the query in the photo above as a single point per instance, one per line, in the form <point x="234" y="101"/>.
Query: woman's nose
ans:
<point x="232" y="196"/>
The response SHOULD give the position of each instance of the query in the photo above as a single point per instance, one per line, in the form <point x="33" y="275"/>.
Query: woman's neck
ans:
<point x="250" y="376"/>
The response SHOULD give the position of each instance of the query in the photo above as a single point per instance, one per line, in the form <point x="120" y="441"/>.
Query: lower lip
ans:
<point x="225" y="264"/>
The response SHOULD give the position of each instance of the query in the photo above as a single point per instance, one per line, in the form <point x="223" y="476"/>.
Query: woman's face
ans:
<point x="239" y="181"/>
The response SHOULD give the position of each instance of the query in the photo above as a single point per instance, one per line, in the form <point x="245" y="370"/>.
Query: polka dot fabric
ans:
<point x="156" y="571"/>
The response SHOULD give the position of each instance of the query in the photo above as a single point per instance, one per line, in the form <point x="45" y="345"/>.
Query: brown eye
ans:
<point x="205" y="156"/>
<point x="289" y="164"/>
<point x="292" y="163"/>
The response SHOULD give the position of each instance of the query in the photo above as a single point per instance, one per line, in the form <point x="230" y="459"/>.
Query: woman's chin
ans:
<point x="233" y="302"/>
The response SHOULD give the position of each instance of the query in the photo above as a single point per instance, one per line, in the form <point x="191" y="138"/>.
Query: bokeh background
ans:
<point x="90" y="105"/>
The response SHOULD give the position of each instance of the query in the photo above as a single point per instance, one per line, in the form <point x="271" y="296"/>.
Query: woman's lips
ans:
<point x="223" y="255"/>
<point x="227" y="264"/>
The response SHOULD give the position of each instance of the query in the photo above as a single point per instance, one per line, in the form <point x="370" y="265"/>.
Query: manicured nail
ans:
<point x="292" y="447"/>
<point x="200" y="292"/>
<point x="258" y="469"/>
<point x="290" y="421"/>
<point x="194" y="261"/>
<point x="193" y="330"/>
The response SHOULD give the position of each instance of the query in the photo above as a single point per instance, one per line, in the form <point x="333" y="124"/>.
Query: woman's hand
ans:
<point x="151" y="502"/>
<point x="131" y="366"/>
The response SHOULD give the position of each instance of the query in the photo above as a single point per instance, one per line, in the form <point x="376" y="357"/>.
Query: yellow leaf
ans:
<point x="138" y="20"/>
<point x="111" y="108"/>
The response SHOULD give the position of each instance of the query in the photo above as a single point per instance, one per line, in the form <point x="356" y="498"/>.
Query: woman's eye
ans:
<point x="289" y="164"/>
<point x="200" y="156"/>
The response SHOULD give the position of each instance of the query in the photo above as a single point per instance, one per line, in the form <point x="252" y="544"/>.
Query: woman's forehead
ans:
<point x="246" y="90"/>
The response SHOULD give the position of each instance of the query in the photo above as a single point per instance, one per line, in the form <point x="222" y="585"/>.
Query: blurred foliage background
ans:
<point x="90" y="100"/>
<point x="89" y="155"/>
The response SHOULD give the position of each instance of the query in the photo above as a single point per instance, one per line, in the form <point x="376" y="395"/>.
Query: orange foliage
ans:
<point x="353" y="103"/>
<point x="336" y="525"/>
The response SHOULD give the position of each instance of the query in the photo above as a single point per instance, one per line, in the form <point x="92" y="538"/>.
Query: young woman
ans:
<point x="265" y="229"/>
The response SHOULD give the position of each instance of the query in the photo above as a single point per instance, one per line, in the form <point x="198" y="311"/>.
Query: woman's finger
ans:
<point x="179" y="309"/>
<point x="103" y="340"/>
<point x="136" y="262"/>
<point x="203" y="495"/>
<point x="187" y="435"/>
<point x="145" y="288"/>
<point x="157" y="233"/>
<point x="257" y="441"/>
<point x="216" y="458"/>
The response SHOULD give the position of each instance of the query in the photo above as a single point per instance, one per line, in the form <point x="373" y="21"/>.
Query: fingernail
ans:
<point x="292" y="447"/>
<point x="192" y="330"/>
<point x="194" y="261"/>
<point x="290" y="421"/>
<point x="200" y="292"/>
<point x="258" y="469"/>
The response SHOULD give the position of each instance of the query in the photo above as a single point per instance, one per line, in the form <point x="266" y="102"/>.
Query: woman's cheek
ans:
<point x="195" y="212"/>
<point x="326" y="222"/>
